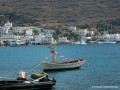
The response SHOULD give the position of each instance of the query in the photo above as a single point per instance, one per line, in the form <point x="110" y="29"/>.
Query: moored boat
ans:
<point x="54" y="65"/>
<point x="42" y="83"/>
<point x="36" y="76"/>
<point x="63" y="65"/>
<point x="20" y="84"/>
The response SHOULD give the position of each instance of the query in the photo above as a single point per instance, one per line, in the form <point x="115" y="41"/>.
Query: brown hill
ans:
<point x="59" y="12"/>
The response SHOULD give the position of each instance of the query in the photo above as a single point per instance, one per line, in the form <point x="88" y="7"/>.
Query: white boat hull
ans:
<point x="58" y="66"/>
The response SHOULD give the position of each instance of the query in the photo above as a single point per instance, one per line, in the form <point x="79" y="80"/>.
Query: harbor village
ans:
<point x="33" y="35"/>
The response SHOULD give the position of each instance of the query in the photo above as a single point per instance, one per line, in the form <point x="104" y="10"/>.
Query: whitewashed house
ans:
<point x="38" y="39"/>
<point x="28" y="39"/>
<point x="10" y="38"/>
<point x="63" y="40"/>
<point x="108" y="38"/>
<point x="115" y="37"/>
<point x="29" y="32"/>
<point x="7" y="37"/>
<point x="19" y="30"/>
<point x="22" y="30"/>
<point x="48" y="39"/>
<point x="72" y="29"/>
<point x="82" y="32"/>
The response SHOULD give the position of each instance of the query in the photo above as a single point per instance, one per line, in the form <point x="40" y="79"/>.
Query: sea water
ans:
<point x="100" y="71"/>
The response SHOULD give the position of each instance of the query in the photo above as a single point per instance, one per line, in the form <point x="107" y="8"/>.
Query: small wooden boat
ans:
<point x="63" y="65"/>
<point x="36" y="76"/>
<point x="71" y="64"/>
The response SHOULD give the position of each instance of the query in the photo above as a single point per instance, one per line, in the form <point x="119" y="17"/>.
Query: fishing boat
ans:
<point x="42" y="83"/>
<point x="54" y="65"/>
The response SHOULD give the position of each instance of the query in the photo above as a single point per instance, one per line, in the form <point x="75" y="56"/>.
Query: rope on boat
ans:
<point x="33" y="68"/>
<point x="36" y="66"/>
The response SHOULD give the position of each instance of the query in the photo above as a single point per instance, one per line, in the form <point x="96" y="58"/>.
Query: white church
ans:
<point x="4" y="29"/>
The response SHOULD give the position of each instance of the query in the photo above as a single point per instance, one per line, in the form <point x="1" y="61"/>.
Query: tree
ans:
<point x="36" y="32"/>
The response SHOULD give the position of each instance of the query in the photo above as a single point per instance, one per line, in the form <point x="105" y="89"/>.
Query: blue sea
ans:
<point x="101" y="70"/>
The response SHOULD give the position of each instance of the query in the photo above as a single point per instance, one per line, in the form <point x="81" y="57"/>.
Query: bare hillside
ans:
<point x="56" y="12"/>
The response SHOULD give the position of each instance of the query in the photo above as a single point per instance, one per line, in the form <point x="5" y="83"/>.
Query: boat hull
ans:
<point x="20" y="85"/>
<point x="60" y="66"/>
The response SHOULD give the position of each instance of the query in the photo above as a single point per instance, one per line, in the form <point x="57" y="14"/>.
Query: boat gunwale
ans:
<point x="64" y="63"/>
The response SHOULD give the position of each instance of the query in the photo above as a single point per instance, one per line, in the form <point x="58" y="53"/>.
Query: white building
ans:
<point x="19" y="30"/>
<point x="9" y="38"/>
<point x="4" y="29"/>
<point x="115" y="37"/>
<point x="82" y="32"/>
<point x="63" y="40"/>
<point x="39" y="39"/>
<point x="8" y="24"/>
<point x="108" y="38"/>
<point x="29" y="39"/>
<point x="36" y="39"/>
<point x="29" y="32"/>
<point x="72" y="29"/>
<point x="48" y="31"/>
<point x="48" y="39"/>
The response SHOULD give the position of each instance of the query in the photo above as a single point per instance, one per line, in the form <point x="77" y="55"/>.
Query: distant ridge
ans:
<point x="56" y="12"/>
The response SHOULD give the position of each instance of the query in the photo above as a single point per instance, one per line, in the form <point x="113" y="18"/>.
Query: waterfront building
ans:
<point x="108" y="38"/>
<point x="28" y="40"/>
<point x="48" y="39"/>
<point x="63" y="40"/>
<point x="39" y="39"/>
<point x="9" y="38"/>
<point x="115" y="37"/>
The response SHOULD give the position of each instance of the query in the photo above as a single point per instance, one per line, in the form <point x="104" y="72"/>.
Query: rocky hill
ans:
<point x="60" y="12"/>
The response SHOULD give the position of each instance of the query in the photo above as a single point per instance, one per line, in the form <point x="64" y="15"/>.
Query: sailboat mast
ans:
<point x="53" y="51"/>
